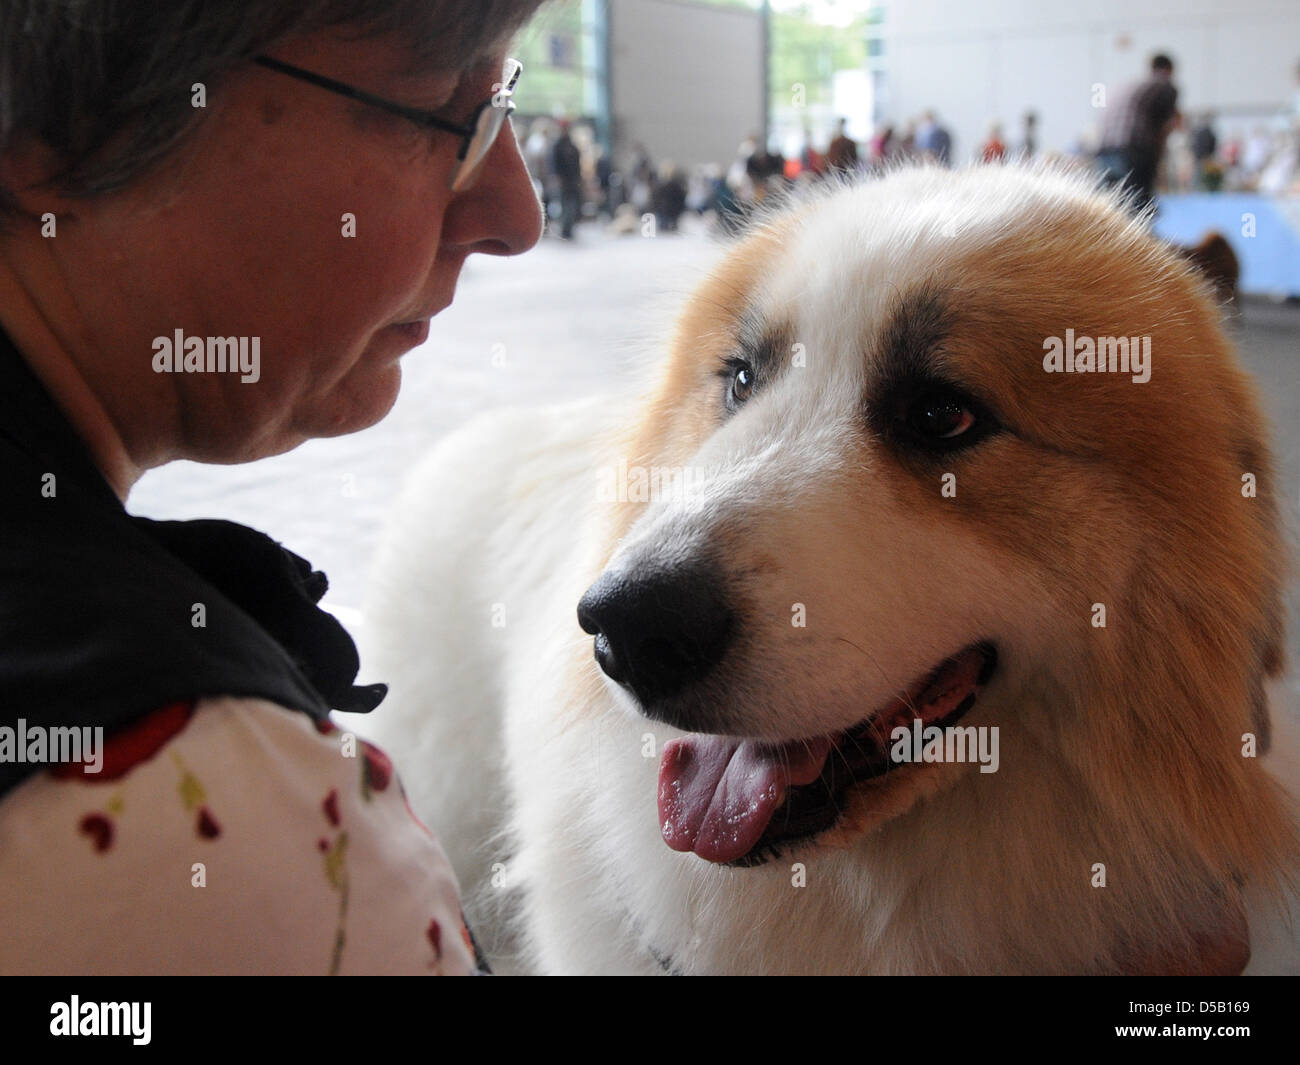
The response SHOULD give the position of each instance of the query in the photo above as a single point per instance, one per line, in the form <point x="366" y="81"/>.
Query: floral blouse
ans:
<point x="221" y="837"/>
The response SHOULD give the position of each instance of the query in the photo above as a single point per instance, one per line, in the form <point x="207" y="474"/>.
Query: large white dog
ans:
<point x="921" y="619"/>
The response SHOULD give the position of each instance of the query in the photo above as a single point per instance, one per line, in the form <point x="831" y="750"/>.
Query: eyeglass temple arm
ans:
<point x="343" y="89"/>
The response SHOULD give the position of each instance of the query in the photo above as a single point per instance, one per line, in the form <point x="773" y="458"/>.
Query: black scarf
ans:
<point x="98" y="607"/>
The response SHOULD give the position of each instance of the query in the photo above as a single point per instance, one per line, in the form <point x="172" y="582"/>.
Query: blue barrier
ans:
<point x="1270" y="259"/>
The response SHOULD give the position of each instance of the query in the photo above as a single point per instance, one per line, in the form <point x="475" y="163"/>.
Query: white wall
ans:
<point x="686" y="80"/>
<point x="974" y="61"/>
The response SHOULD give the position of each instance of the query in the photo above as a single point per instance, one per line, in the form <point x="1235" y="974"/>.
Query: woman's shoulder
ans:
<point x="220" y="836"/>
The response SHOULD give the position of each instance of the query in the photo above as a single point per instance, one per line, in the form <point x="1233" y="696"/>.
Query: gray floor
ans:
<point x="1268" y="339"/>
<point x="570" y="320"/>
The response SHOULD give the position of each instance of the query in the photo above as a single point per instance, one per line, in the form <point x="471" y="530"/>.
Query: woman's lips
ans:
<point x="416" y="332"/>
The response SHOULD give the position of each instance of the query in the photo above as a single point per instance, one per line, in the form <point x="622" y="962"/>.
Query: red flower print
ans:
<point x="100" y="829"/>
<point x="207" y="826"/>
<point x="132" y="745"/>
<point x="376" y="769"/>
<point x="331" y="807"/>
<point x="434" y="932"/>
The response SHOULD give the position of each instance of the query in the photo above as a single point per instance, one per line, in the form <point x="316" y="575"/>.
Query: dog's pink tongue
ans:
<point x="717" y="794"/>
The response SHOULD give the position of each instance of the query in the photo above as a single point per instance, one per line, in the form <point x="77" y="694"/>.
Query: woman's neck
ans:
<point x="44" y="337"/>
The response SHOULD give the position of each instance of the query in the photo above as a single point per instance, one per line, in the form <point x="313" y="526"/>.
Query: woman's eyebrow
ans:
<point x="483" y="77"/>
<point x="425" y="86"/>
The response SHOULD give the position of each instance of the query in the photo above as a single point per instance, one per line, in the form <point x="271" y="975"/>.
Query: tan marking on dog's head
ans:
<point x="1128" y="493"/>
<point x="684" y="407"/>
<point x="1194" y="623"/>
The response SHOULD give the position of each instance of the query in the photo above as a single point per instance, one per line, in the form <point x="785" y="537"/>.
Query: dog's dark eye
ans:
<point x="940" y="416"/>
<point x="742" y="384"/>
<point x="739" y="376"/>
<point x="935" y="417"/>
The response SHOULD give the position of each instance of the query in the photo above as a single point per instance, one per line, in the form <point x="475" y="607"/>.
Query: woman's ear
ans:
<point x="27" y="165"/>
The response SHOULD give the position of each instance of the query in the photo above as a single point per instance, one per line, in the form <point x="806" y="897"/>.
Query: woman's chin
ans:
<point x="359" y="404"/>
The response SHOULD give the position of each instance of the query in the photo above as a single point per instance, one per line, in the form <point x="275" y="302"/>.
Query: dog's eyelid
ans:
<point x="913" y="386"/>
<point x="965" y="393"/>
<point x="733" y="363"/>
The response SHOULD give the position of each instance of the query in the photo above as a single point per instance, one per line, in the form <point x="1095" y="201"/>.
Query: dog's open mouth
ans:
<point x="735" y="801"/>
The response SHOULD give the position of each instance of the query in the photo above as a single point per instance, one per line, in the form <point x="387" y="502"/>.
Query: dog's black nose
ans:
<point x="657" y="632"/>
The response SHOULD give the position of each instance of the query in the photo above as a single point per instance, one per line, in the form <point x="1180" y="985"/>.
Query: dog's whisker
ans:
<point x="900" y="693"/>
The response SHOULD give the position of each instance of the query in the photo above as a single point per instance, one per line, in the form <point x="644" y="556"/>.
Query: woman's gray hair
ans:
<point x="106" y="84"/>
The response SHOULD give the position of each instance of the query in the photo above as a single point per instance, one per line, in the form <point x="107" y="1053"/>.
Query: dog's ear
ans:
<point x="1271" y="656"/>
<point x="1270" y="659"/>
<point x="1269" y="645"/>
<point x="1221" y="948"/>
<point x="1217" y="262"/>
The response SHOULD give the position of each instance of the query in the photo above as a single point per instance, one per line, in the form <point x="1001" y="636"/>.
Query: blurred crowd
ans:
<point x="1264" y="158"/>
<point x="577" y="179"/>
<point x="1143" y="141"/>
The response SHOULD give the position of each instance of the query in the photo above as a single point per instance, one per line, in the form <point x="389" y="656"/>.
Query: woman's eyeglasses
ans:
<point x="477" y="136"/>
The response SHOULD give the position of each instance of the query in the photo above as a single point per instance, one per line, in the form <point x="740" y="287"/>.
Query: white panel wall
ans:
<point x="974" y="61"/>
<point x="686" y="80"/>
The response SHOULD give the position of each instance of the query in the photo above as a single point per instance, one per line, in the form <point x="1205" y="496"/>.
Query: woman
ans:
<point x="223" y="224"/>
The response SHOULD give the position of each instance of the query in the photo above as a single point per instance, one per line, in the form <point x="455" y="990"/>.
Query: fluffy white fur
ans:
<point x="539" y="776"/>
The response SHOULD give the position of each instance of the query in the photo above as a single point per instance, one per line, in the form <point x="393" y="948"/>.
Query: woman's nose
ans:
<point x="499" y="214"/>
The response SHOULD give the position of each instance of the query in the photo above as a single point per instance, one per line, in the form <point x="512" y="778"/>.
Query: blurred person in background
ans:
<point x="842" y="153"/>
<point x="605" y="181"/>
<point x="811" y="160"/>
<point x="702" y="188"/>
<point x="1028" y="146"/>
<point x="641" y="180"/>
<point x="883" y="147"/>
<point x="537" y="155"/>
<point x="994" y="149"/>
<point x="669" y="197"/>
<point x="566" y="164"/>
<point x="1204" y="143"/>
<point x="906" y="141"/>
<point x="1134" y="130"/>
<point x="1255" y="154"/>
<point x="766" y="171"/>
<point x="1280" y="176"/>
<point x="739" y="181"/>
<point x="933" y="141"/>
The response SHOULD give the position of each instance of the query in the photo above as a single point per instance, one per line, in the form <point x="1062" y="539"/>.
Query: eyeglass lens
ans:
<point x="487" y="126"/>
<point x="486" y="129"/>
